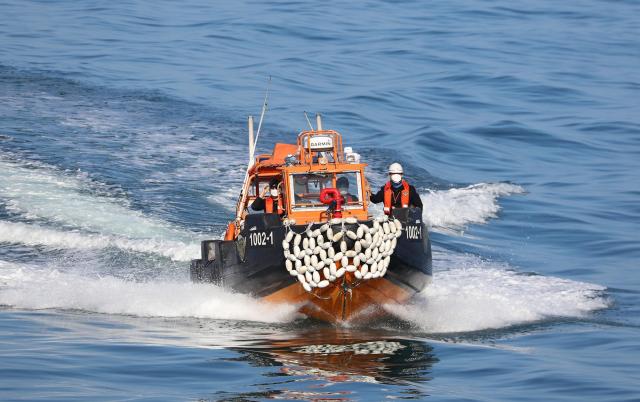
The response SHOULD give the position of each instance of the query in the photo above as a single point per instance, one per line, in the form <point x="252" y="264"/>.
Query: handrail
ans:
<point x="306" y="153"/>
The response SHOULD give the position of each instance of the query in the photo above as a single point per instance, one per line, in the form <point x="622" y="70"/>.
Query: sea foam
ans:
<point x="35" y="235"/>
<point x="44" y="192"/>
<point x="32" y="287"/>
<point x="472" y="294"/>
<point x="476" y="204"/>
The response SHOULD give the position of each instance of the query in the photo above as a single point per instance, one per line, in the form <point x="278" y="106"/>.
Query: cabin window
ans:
<point x="252" y="193"/>
<point x="254" y="190"/>
<point x="349" y="185"/>
<point x="306" y="188"/>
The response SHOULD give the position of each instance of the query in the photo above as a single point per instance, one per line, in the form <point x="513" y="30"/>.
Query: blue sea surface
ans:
<point x="123" y="144"/>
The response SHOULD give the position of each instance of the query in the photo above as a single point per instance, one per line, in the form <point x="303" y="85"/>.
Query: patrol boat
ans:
<point x="318" y="249"/>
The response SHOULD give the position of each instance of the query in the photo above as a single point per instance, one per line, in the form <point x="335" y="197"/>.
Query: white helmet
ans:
<point x="395" y="168"/>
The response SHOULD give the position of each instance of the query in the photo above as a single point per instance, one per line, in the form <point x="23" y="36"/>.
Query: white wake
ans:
<point x="474" y="295"/>
<point x="32" y="287"/>
<point x="40" y="191"/>
<point x="35" y="235"/>
<point x="469" y="295"/>
<point x="91" y="221"/>
<point x="453" y="209"/>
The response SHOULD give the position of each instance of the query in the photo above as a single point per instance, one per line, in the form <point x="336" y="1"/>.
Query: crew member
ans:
<point x="397" y="193"/>
<point x="269" y="201"/>
<point x="343" y="186"/>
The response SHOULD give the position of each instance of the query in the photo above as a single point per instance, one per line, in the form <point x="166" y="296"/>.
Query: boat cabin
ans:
<point x="309" y="174"/>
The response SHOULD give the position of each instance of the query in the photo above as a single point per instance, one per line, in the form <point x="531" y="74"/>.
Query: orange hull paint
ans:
<point x="338" y="303"/>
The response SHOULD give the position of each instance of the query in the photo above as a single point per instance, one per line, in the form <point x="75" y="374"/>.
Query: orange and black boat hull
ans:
<point x="254" y="264"/>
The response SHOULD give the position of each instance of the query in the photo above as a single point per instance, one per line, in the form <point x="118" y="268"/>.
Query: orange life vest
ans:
<point x="388" y="197"/>
<point x="268" y="205"/>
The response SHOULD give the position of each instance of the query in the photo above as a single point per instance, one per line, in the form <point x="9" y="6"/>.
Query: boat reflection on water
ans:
<point x="324" y="358"/>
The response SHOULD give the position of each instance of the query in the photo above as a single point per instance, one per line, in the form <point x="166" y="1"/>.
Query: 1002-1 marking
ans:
<point x="261" y="239"/>
<point x="414" y="232"/>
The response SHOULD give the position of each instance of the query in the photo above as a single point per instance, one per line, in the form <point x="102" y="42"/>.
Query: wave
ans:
<point x="30" y="287"/>
<point x="472" y="295"/>
<point x="37" y="191"/>
<point x="225" y="198"/>
<point x="476" y="295"/>
<point x="455" y="208"/>
<point x="35" y="235"/>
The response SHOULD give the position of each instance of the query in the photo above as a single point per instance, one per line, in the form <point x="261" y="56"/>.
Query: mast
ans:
<point x="251" y="141"/>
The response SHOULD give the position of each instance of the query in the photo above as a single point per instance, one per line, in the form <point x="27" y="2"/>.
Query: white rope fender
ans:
<point x="311" y="257"/>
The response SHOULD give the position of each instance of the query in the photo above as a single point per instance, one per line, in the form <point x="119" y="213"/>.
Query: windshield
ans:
<point x="306" y="188"/>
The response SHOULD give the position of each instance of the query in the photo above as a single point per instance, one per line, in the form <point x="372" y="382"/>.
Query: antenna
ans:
<point x="250" y="122"/>
<point x="252" y="148"/>
<point x="264" y="110"/>
<point x="308" y="121"/>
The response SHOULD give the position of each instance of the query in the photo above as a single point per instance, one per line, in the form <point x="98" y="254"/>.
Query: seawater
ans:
<point x="123" y="144"/>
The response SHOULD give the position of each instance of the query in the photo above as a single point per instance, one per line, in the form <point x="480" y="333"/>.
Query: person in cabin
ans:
<point x="397" y="193"/>
<point x="269" y="200"/>
<point x="343" y="186"/>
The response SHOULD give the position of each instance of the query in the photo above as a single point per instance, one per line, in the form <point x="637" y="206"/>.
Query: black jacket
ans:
<point x="414" y="197"/>
<point x="259" y="204"/>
